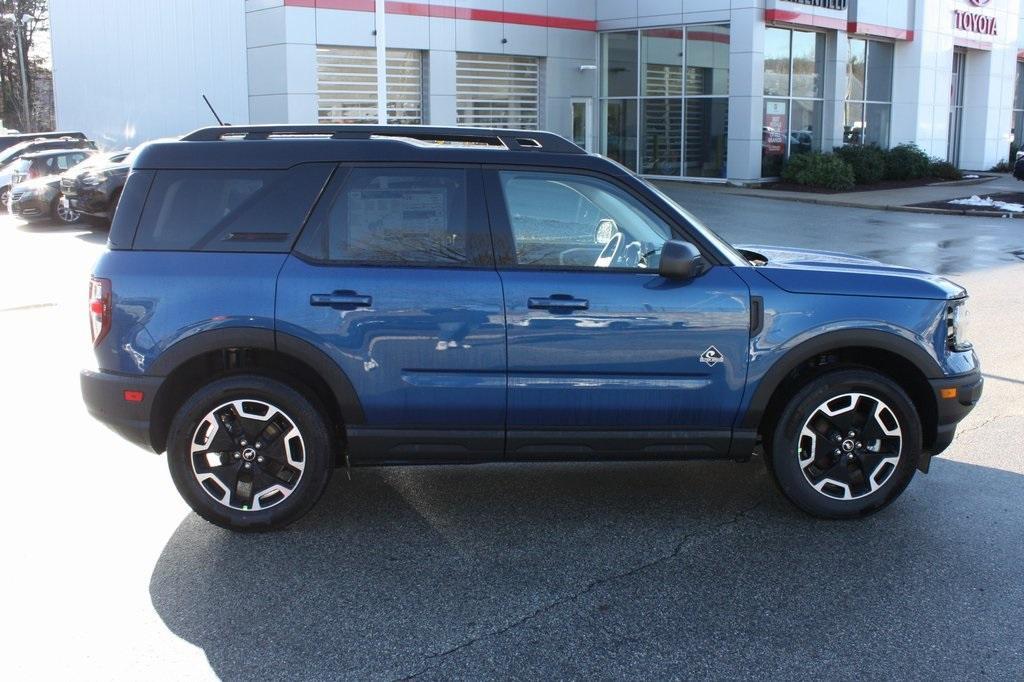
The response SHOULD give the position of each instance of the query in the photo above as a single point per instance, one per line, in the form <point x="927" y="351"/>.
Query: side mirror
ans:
<point x="680" y="260"/>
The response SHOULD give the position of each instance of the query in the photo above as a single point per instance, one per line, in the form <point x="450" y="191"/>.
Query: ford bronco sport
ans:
<point x="278" y="301"/>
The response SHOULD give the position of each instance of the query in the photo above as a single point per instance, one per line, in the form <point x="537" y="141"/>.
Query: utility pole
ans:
<point x="19" y="22"/>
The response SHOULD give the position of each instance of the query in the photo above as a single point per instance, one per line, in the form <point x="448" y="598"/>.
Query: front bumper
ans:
<point x="94" y="201"/>
<point x="104" y="396"/>
<point x="951" y="410"/>
<point x="32" y="207"/>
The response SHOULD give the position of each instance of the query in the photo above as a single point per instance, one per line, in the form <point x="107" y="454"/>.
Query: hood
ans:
<point x="804" y="271"/>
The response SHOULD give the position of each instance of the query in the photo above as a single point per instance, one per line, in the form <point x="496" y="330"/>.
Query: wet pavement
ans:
<point x="944" y="244"/>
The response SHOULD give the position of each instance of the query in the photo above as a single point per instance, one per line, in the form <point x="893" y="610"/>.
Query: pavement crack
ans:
<point x="984" y="423"/>
<point x="434" y="659"/>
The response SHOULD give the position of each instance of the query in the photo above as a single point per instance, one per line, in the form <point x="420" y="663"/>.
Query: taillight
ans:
<point x="99" y="308"/>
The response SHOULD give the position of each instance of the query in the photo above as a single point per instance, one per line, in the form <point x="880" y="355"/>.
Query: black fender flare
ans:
<point x="831" y="341"/>
<point x="265" y="339"/>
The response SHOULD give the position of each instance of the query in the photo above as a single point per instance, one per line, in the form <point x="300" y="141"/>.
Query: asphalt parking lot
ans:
<point x="545" y="571"/>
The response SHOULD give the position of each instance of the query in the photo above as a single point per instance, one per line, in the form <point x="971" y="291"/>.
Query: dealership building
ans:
<point x="698" y="89"/>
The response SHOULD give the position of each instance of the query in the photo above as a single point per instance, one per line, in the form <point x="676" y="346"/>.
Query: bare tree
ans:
<point x="19" y="73"/>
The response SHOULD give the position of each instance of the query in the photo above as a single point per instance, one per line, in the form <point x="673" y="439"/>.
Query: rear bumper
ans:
<point x="950" y="411"/>
<point x="104" y="396"/>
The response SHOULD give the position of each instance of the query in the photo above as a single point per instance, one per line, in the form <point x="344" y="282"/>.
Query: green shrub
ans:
<point x="827" y="171"/>
<point x="906" y="162"/>
<point x="1003" y="166"/>
<point x="867" y="162"/>
<point x="945" y="170"/>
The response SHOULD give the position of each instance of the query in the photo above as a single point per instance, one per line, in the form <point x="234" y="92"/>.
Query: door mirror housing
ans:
<point x="680" y="260"/>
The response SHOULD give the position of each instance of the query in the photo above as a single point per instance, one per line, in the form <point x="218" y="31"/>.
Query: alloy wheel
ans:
<point x="67" y="214"/>
<point x="248" y="455"/>
<point x="850" y="446"/>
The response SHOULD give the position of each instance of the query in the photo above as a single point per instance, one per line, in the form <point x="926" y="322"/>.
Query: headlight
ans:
<point x="92" y="180"/>
<point x="956" y="325"/>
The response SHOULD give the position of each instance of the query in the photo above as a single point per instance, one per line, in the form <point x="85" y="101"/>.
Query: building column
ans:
<point x="746" y="94"/>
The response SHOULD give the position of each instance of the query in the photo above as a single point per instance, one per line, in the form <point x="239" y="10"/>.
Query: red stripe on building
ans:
<point x="417" y="9"/>
<point x="803" y="19"/>
<point x="860" y="28"/>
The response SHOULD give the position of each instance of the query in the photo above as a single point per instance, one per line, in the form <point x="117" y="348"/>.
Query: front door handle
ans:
<point x="341" y="300"/>
<point x="558" y="303"/>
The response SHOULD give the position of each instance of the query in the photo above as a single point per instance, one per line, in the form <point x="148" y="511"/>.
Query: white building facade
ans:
<point x="699" y="89"/>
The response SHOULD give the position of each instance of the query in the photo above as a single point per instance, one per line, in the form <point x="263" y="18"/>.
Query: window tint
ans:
<point x="229" y="210"/>
<point x="559" y="219"/>
<point x="416" y="216"/>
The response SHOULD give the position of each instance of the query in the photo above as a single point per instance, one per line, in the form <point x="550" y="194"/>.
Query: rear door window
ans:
<point x="402" y="216"/>
<point x="229" y="210"/>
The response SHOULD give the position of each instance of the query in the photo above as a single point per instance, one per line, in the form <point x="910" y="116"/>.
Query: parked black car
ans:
<point x="96" y="190"/>
<point x="7" y="141"/>
<point x="1018" y="166"/>
<point x="12" y="154"/>
<point x="36" y="191"/>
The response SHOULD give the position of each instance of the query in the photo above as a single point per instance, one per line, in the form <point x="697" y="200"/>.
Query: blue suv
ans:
<point x="279" y="301"/>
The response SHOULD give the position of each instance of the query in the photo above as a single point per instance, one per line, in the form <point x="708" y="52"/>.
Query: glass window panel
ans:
<point x="707" y="60"/>
<point x="879" y="71"/>
<point x="1019" y="99"/>
<point x="620" y="56"/>
<point x="391" y="215"/>
<point x="707" y="125"/>
<point x="876" y="124"/>
<point x="661" y="136"/>
<point x="805" y="127"/>
<point x="579" y="123"/>
<point x="774" y="130"/>
<point x="855" y="66"/>
<point x="565" y="220"/>
<point x="808" y="64"/>
<point x="619" y="131"/>
<point x="661" y="55"/>
<point x="853" y="126"/>
<point x="776" y="61"/>
<point x="1018" y="134"/>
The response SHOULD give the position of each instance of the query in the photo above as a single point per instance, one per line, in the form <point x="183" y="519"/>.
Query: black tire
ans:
<point x="314" y="444"/>
<point x="851" y="468"/>
<point x="4" y="192"/>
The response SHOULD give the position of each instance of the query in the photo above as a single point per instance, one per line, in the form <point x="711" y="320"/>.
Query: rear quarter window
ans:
<point x="229" y="210"/>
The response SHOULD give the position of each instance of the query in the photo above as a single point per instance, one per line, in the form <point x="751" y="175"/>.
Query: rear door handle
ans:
<point x="341" y="300"/>
<point x="562" y="303"/>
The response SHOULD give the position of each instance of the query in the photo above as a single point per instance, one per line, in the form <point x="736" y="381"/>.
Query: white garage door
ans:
<point x="347" y="85"/>
<point x="497" y="91"/>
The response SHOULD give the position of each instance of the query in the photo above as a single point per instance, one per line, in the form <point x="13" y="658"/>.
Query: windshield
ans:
<point x="13" y="152"/>
<point x="725" y="247"/>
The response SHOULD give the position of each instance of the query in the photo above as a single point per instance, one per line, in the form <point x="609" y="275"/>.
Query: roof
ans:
<point x="282" y="146"/>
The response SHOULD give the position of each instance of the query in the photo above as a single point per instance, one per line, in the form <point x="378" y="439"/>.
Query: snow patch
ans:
<point x="989" y="202"/>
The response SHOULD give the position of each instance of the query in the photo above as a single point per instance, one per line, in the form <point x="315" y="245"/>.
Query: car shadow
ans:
<point x="610" y="570"/>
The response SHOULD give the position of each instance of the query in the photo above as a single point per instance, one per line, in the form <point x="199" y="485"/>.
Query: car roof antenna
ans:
<point x="214" y="112"/>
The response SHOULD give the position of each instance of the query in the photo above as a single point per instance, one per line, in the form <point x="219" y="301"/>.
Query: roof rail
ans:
<point x="515" y="140"/>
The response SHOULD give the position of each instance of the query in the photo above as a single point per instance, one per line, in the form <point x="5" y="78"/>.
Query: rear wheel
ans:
<point x="249" y="453"/>
<point x="5" y="194"/>
<point x="846" y="444"/>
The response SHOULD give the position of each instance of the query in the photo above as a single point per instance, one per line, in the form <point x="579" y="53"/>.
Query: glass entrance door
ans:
<point x="956" y="107"/>
<point x="581" y="116"/>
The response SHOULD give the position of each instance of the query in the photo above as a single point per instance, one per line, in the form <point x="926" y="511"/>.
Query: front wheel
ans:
<point x="846" y="444"/>
<point x="64" y="213"/>
<point x="249" y="453"/>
